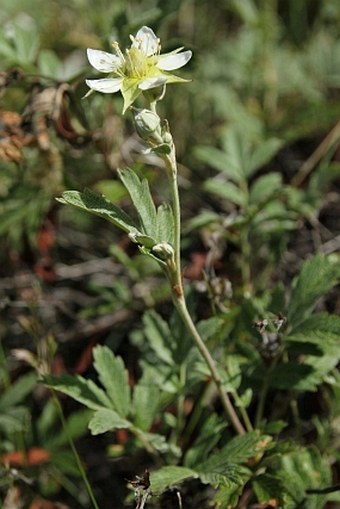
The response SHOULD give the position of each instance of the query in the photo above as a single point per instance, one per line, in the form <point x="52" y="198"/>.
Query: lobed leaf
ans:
<point x="264" y="187"/>
<point x="165" y="224"/>
<point x="146" y="396"/>
<point x="99" y="206"/>
<point x="158" y="333"/>
<point x="217" y="159"/>
<point x="18" y="391"/>
<point x="142" y="200"/>
<point x="75" y="426"/>
<point x="226" y="190"/>
<point x="114" y="377"/>
<point x="263" y="153"/>
<point x="80" y="389"/>
<point x="316" y="277"/>
<point x="168" y="476"/>
<point x="268" y="488"/>
<point x="237" y="451"/>
<point x="105" y="420"/>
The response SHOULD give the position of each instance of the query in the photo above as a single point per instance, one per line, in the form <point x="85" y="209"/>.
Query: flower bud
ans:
<point x="164" y="250"/>
<point x="148" y="125"/>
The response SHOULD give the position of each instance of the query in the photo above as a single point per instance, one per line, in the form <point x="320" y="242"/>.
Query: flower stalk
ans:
<point x="179" y="298"/>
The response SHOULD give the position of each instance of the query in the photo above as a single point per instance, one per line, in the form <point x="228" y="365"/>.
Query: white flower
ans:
<point x="140" y="68"/>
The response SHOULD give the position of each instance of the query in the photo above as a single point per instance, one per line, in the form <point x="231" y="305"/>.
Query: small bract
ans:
<point x="140" y="68"/>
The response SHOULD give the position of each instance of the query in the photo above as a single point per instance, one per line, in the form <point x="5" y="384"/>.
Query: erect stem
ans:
<point x="182" y="309"/>
<point x="175" y="278"/>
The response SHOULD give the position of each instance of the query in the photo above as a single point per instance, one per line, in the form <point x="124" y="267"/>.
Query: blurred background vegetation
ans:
<point x="257" y="134"/>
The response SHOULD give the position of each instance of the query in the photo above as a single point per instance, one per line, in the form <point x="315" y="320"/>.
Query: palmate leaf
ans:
<point x="142" y="200"/>
<point x="317" y="277"/>
<point x="114" y="377"/>
<point x="99" y="206"/>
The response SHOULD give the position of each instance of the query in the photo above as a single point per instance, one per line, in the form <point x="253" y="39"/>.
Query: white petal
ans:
<point x="102" y="61"/>
<point x="152" y="82"/>
<point x="105" y="85"/>
<point x="146" y="41"/>
<point x="171" y="62"/>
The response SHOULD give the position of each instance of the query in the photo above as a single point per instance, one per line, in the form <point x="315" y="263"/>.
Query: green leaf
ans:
<point x="159" y="442"/>
<point x="158" y="334"/>
<point x="64" y="461"/>
<point x="142" y="200"/>
<point x="14" y="420"/>
<point x="263" y="153"/>
<point x="168" y="476"/>
<point x="319" y="323"/>
<point x="210" y="328"/>
<point x="230" y="475"/>
<point x="75" y="426"/>
<point x="316" y="278"/>
<point x="6" y="49"/>
<point x="304" y="469"/>
<point x="237" y="151"/>
<point x="303" y="377"/>
<point x="114" y="377"/>
<point x="80" y="389"/>
<point x="99" y="206"/>
<point x="264" y="187"/>
<point x="26" y="43"/>
<point x="165" y="224"/>
<point x="322" y="341"/>
<point x="237" y="451"/>
<point x="267" y="487"/>
<point x="105" y="420"/>
<point x="144" y="241"/>
<point x="146" y="396"/>
<point x="18" y="391"/>
<point x="209" y="435"/>
<point x="226" y="190"/>
<point x="49" y="64"/>
<point x="228" y="496"/>
<point x="218" y="160"/>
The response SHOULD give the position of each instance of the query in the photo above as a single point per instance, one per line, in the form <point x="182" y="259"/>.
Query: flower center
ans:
<point x="137" y="64"/>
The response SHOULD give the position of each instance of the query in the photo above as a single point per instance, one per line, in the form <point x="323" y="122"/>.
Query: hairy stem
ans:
<point x="182" y="309"/>
<point x="175" y="278"/>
